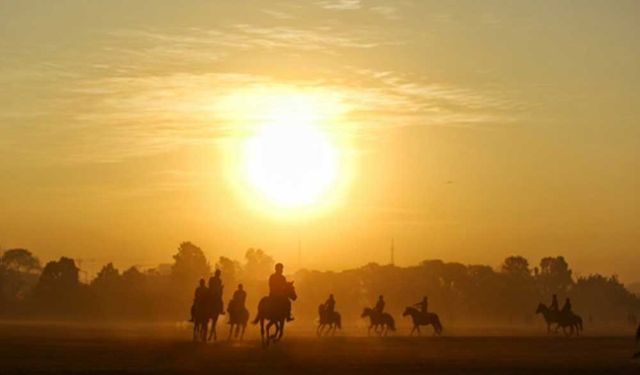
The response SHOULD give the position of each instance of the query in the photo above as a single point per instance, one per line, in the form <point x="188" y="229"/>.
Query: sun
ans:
<point x="289" y="160"/>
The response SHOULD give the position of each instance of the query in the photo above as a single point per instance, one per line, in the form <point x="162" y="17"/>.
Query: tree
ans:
<point x="60" y="275"/>
<point x="230" y="269"/>
<point x="132" y="276"/>
<point x="190" y="264"/>
<point x="258" y="264"/>
<point x="18" y="274"/>
<point x="20" y="260"/>
<point x="108" y="278"/>
<point x="554" y="275"/>
<point x="516" y="267"/>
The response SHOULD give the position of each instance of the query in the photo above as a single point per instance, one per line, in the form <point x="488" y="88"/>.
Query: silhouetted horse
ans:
<point x="564" y="321"/>
<point x="420" y="319"/>
<point x="238" y="319"/>
<point x="331" y="319"/>
<point x="383" y="321"/>
<point x="200" y="321"/>
<point x="276" y="312"/>
<point x="215" y="309"/>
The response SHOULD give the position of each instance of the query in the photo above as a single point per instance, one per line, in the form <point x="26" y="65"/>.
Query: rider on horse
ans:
<point x="423" y="305"/>
<point x="330" y="305"/>
<point x="566" y="309"/>
<point x="554" y="304"/>
<point x="199" y="297"/>
<point x="215" y="290"/>
<point x="379" y="309"/>
<point x="278" y="289"/>
<point x="238" y="300"/>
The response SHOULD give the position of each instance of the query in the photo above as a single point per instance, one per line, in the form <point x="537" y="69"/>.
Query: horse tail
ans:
<point x="258" y="317"/>
<point x="437" y="324"/>
<point x="339" y="320"/>
<point x="392" y="323"/>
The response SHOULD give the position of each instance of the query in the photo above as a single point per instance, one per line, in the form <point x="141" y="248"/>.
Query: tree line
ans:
<point x="461" y="294"/>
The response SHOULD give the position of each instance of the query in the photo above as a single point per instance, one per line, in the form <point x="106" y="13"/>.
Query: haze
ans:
<point x="465" y="131"/>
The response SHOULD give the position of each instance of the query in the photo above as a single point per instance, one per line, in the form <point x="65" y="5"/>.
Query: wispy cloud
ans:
<point x="146" y="91"/>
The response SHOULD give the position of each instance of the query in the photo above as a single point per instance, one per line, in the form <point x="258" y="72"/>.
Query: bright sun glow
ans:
<point x="289" y="160"/>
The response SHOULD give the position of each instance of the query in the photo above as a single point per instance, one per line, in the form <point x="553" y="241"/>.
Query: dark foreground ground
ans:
<point x="61" y="349"/>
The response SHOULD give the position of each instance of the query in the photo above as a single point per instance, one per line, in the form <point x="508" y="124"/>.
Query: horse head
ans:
<point x="291" y="291"/>
<point x="542" y="308"/>
<point x="407" y="311"/>
<point x="366" y="312"/>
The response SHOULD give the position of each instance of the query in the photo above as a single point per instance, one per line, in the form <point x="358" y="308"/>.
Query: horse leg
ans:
<point x="212" y="331"/>
<point x="244" y="326"/>
<point x="281" y="330"/>
<point x="202" y="335"/>
<point x="262" y="331"/>
<point x="230" y="332"/>
<point x="319" y="330"/>
<point x="195" y="331"/>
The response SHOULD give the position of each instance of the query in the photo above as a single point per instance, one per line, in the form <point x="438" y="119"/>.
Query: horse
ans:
<point x="571" y="321"/>
<point x="200" y="321"/>
<point x="276" y="312"/>
<point x="383" y="321"/>
<point x="215" y="309"/>
<point x="420" y="319"/>
<point x="238" y="319"/>
<point x="333" y="320"/>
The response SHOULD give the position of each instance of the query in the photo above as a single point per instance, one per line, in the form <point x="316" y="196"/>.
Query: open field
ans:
<point x="82" y="349"/>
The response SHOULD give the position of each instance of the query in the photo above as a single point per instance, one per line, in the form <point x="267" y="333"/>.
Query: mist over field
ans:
<point x="462" y="295"/>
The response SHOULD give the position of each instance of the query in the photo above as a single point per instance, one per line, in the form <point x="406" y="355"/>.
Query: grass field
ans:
<point x="78" y="349"/>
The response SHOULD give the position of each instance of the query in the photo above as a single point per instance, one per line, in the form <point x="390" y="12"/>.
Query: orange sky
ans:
<point x="467" y="131"/>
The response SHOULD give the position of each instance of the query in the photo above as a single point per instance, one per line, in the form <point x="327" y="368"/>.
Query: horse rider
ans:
<point x="238" y="300"/>
<point x="215" y="290"/>
<point x="329" y="305"/>
<point x="554" y="304"/>
<point x="199" y="297"/>
<point x="566" y="309"/>
<point x="379" y="309"/>
<point x="423" y="305"/>
<point x="278" y="289"/>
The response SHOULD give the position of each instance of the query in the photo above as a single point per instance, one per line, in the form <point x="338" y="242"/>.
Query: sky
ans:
<point x="467" y="131"/>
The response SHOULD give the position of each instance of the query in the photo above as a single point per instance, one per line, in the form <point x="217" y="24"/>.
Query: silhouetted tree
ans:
<point x="190" y="265"/>
<point x="58" y="290"/>
<point x="230" y="271"/>
<point x="20" y="260"/>
<point x="18" y="274"/>
<point x="258" y="264"/>
<point x="59" y="275"/>
<point x="516" y="267"/>
<point x="108" y="278"/>
<point x="554" y="275"/>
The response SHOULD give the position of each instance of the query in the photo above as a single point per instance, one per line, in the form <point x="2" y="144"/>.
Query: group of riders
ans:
<point x="208" y="299"/>
<point x="566" y="308"/>
<point x="208" y="302"/>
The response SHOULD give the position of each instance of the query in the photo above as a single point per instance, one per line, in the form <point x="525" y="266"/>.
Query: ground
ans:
<point x="80" y="349"/>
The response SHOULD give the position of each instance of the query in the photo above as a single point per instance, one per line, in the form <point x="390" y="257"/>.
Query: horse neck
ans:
<point x="545" y="311"/>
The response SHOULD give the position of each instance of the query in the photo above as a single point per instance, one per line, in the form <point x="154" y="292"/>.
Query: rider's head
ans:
<point x="201" y="282"/>
<point x="331" y="296"/>
<point x="217" y="273"/>
<point x="240" y="287"/>
<point x="380" y="298"/>
<point x="279" y="268"/>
